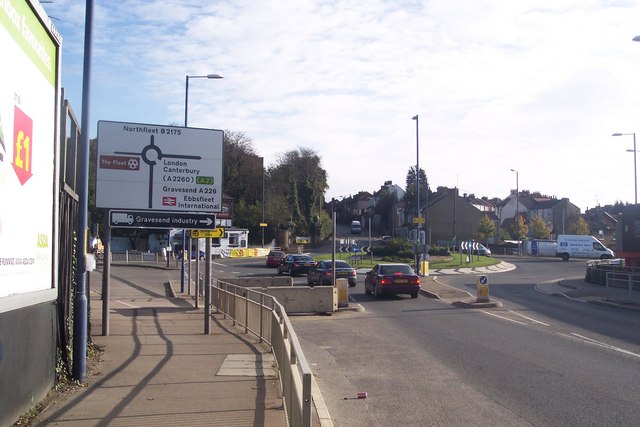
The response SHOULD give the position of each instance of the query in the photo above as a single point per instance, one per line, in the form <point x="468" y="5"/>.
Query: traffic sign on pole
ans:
<point x="216" y="233"/>
<point x="161" y="219"/>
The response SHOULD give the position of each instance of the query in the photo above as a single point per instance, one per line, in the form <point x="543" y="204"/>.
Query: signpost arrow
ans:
<point x="160" y="219"/>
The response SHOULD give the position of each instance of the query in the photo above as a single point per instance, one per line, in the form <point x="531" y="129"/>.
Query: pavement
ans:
<point x="159" y="368"/>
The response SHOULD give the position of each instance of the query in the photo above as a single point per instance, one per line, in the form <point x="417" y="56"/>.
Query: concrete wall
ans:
<point x="305" y="299"/>
<point x="259" y="282"/>
<point x="27" y="358"/>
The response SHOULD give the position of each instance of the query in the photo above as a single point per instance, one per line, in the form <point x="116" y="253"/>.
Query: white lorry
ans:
<point x="575" y="246"/>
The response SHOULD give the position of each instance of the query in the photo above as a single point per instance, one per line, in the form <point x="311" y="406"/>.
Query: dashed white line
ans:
<point x="591" y="341"/>
<point x="529" y="318"/>
<point x="504" y="318"/>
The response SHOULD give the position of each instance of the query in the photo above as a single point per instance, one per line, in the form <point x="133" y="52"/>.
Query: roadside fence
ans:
<point x="265" y="317"/>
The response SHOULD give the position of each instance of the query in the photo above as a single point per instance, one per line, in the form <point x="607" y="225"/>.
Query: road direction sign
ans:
<point x="160" y="219"/>
<point x="216" y="233"/>
<point x="156" y="167"/>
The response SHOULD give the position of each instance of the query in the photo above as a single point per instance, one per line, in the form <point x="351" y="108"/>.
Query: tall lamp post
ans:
<point x="517" y="209"/>
<point x="635" y="173"/>
<point x="417" y="252"/>
<point x="186" y="116"/>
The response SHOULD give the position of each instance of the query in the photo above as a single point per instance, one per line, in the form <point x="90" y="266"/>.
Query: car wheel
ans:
<point x="565" y="257"/>
<point x="414" y="295"/>
<point x="376" y="294"/>
<point x="279" y="272"/>
<point x="366" y="290"/>
<point x="309" y="281"/>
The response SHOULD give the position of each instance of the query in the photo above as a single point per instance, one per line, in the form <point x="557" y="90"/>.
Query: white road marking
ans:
<point x="529" y="318"/>
<point x="504" y="318"/>
<point x="591" y="341"/>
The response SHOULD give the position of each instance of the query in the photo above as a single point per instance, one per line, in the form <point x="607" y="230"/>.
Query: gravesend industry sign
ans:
<point x="161" y="219"/>
<point x="166" y="168"/>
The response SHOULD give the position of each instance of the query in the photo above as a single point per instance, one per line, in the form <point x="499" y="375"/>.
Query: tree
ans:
<point x="538" y="228"/>
<point x="579" y="227"/>
<point x="486" y="228"/>
<point x="520" y="229"/>
<point x="410" y="190"/>
<point x="386" y="201"/>
<point x="242" y="168"/>
<point x="299" y="182"/>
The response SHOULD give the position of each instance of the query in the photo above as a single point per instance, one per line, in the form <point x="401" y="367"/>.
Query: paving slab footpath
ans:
<point x="160" y="369"/>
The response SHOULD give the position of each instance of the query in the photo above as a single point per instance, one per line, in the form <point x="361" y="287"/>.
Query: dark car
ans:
<point x="274" y="258"/>
<point x="322" y="273"/>
<point x="390" y="279"/>
<point x="296" y="264"/>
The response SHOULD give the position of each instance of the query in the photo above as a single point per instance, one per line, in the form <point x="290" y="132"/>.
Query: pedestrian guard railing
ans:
<point x="622" y="283"/>
<point x="263" y="316"/>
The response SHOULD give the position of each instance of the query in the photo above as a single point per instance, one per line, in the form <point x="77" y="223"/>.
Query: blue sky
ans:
<point x="535" y="86"/>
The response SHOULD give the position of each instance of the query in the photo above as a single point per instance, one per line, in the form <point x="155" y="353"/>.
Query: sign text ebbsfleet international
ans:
<point x="145" y="166"/>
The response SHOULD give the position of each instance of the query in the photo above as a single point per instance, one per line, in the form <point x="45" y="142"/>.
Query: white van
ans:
<point x="575" y="246"/>
<point x="356" y="228"/>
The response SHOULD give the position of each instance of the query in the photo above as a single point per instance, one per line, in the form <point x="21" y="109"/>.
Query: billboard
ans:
<point x="29" y="87"/>
<point x="165" y="168"/>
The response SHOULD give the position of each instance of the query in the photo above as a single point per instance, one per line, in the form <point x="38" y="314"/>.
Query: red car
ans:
<point x="275" y="258"/>
<point x="392" y="279"/>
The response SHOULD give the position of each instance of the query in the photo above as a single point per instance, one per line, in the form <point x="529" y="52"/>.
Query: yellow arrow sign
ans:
<point x="216" y="233"/>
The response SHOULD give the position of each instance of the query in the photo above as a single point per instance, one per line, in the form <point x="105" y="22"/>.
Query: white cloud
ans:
<point x="529" y="85"/>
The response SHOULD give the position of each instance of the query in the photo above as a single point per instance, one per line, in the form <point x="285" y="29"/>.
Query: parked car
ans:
<point x="274" y="258"/>
<point x="322" y="273"/>
<point x="296" y="264"/>
<point x="392" y="279"/>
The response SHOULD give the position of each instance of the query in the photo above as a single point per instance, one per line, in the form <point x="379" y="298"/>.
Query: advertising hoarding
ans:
<point x="29" y="86"/>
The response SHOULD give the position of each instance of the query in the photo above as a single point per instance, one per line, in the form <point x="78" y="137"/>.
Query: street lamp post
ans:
<point x="517" y="209"/>
<point x="186" y="115"/>
<point x="186" y="91"/>
<point x="417" y="251"/>
<point x="635" y="173"/>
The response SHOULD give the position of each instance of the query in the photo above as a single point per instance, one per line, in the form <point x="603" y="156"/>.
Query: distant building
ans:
<point x="454" y="218"/>
<point x="557" y="214"/>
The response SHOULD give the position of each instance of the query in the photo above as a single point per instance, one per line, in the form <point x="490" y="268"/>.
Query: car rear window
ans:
<point x="303" y="258"/>
<point x="396" y="269"/>
<point x="276" y="253"/>
<point x="342" y="264"/>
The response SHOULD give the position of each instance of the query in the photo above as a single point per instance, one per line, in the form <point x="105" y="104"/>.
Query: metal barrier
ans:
<point x="131" y="257"/>
<point x="265" y="317"/>
<point x="626" y="280"/>
<point x="597" y="270"/>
